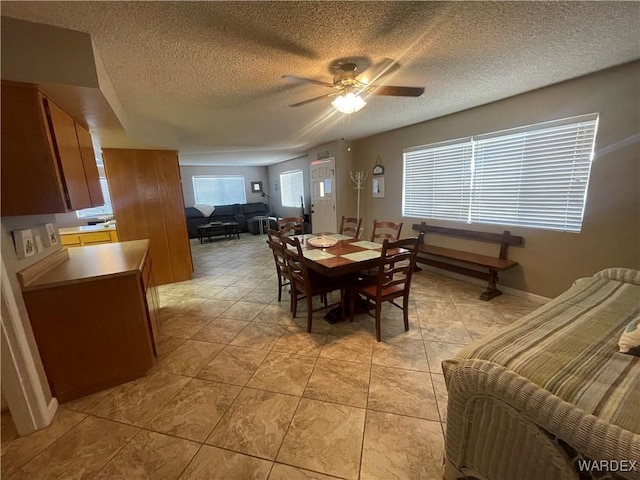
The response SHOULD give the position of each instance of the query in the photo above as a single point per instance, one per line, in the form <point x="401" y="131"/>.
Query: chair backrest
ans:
<point x="397" y="262"/>
<point x="298" y="273"/>
<point x="289" y="225"/>
<point x="350" y="226"/>
<point x="385" y="231"/>
<point x="278" y="250"/>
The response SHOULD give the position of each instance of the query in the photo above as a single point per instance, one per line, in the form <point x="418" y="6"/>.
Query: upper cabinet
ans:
<point x="48" y="163"/>
<point x="89" y="164"/>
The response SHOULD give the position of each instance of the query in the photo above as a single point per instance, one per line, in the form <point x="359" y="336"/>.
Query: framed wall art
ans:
<point x="377" y="187"/>
<point x="50" y="237"/>
<point x="25" y="245"/>
<point x="256" y="187"/>
<point x="378" y="168"/>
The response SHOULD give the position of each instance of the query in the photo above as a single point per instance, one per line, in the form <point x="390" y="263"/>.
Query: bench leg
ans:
<point x="492" y="289"/>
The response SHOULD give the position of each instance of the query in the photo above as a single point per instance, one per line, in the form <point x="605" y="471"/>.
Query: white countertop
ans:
<point x="85" y="229"/>
<point x="90" y="262"/>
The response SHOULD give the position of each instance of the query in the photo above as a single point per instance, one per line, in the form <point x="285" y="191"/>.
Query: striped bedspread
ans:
<point x="569" y="347"/>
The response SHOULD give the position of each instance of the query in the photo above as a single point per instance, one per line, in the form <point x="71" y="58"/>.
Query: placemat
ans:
<point x="317" y="254"/>
<point x="360" y="256"/>
<point x="365" y="244"/>
<point x="338" y="236"/>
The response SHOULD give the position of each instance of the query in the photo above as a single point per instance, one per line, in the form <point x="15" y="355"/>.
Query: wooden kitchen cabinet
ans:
<point x="152" y="303"/>
<point x="147" y="200"/>
<point x="89" y="163"/>
<point x="93" y="315"/>
<point x="48" y="163"/>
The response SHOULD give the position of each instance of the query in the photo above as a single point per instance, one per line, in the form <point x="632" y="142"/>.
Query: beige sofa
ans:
<point x="550" y="394"/>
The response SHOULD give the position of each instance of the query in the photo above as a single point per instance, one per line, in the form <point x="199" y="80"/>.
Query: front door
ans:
<point x="323" y="196"/>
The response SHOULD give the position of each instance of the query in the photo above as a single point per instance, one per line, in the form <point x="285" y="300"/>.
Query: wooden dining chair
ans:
<point x="385" y="230"/>
<point x="290" y="225"/>
<point x="350" y="227"/>
<point x="393" y="279"/>
<point x="277" y="248"/>
<point x="307" y="283"/>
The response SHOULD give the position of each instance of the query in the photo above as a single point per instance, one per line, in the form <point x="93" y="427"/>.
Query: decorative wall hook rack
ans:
<point x="358" y="178"/>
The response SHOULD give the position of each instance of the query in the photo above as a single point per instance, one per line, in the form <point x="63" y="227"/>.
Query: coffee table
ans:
<point x="231" y="229"/>
<point x="212" y="229"/>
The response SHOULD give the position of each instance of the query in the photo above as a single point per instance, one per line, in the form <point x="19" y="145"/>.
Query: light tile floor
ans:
<point x="242" y="391"/>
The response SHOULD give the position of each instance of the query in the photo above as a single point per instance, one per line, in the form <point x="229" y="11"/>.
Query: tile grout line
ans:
<point x="110" y="459"/>
<point x="49" y="446"/>
<point x="297" y="406"/>
<point x="335" y="331"/>
<point x="366" y="414"/>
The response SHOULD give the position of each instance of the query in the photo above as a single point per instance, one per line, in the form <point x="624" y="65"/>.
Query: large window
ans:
<point x="533" y="176"/>
<point x="219" y="189"/>
<point x="291" y="188"/>
<point x="104" y="210"/>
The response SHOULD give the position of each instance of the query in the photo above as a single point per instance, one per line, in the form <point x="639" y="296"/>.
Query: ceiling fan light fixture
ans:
<point x="349" y="103"/>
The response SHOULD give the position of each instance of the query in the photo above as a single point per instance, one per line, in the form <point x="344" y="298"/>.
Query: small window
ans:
<point x="292" y="188"/>
<point x="104" y="210"/>
<point x="219" y="189"/>
<point x="533" y="176"/>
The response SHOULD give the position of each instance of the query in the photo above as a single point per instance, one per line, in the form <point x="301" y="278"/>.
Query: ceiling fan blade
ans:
<point x="308" y="80"/>
<point x="374" y="72"/>
<point x="304" y="102"/>
<point x="392" y="91"/>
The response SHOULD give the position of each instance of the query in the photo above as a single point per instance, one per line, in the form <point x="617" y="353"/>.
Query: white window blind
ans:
<point x="219" y="189"/>
<point x="437" y="181"/>
<point x="95" y="212"/>
<point x="534" y="176"/>
<point x="291" y="188"/>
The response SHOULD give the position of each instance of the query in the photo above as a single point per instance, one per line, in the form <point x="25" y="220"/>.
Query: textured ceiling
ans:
<point x="209" y="73"/>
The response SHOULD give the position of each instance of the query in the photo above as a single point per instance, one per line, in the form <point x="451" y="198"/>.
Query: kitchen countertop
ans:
<point x="85" y="229"/>
<point x="87" y="263"/>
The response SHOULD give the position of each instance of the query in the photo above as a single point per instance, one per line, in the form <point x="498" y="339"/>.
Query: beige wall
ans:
<point x="250" y="174"/>
<point x="38" y="53"/>
<point x="274" y="171"/>
<point x="345" y="195"/>
<point x="550" y="261"/>
<point x="13" y="265"/>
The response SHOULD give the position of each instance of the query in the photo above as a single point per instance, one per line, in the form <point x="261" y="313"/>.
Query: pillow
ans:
<point x="205" y="209"/>
<point x="621" y="274"/>
<point x="630" y="340"/>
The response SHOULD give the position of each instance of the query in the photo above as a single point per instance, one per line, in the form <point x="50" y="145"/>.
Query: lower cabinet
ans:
<point x="94" y="332"/>
<point x="87" y="238"/>
<point x="152" y="303"/>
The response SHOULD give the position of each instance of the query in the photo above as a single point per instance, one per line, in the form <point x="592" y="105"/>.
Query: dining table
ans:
<point x="348" y="256"/>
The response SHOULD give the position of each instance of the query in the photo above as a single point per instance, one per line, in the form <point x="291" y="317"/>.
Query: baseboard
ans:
<point x="52" y="408"/>
<point x="476" y="281"/>
<point x="526" y="295"/>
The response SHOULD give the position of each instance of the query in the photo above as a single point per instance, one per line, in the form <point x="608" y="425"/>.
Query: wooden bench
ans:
<point x="434" y="256"/>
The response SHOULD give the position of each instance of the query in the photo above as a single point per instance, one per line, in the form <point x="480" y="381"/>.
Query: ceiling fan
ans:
<point x="349" y="85"/>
